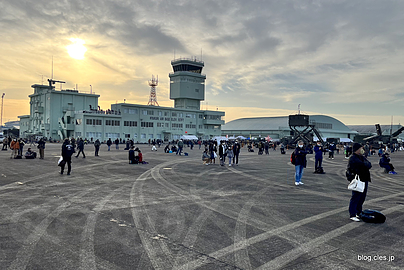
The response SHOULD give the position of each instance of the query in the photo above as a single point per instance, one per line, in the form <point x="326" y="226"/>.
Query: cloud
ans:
<point x="329" y="56"/>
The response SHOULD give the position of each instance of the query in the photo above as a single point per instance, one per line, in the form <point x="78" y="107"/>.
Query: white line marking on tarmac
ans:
<point x="261" y="237"/>
<point x="295" y="253"/>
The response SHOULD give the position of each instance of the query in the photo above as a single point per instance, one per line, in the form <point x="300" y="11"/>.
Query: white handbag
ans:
<point x="357" y="185"/>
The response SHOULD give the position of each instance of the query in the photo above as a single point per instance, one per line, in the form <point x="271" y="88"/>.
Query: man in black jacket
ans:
<point x="80" y="147"/>
<point x="236" y="152"/>
<point x="67" y="152"/>
<point x="359" y="165"/>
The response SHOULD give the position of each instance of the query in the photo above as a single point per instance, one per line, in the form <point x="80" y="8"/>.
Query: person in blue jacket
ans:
<point x="300" y="163"/>
<point x="318" y="150"/>
<point x="385" y="163"/>
<point x="331" y="149"/>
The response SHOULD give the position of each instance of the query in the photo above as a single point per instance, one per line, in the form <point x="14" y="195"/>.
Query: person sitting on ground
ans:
<point x="205" y="157"/>
<point x="30" y="154"/>
<point x="140" y="156"/>
<point x="174" y="149"/>
<point x="167" y="148"/>
<point x="385" y="163"/>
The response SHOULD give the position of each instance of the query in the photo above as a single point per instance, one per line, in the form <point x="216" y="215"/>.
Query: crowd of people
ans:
<point x="357" y="155"/>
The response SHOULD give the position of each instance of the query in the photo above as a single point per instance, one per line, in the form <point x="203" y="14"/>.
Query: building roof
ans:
<point x="282" y="123"/>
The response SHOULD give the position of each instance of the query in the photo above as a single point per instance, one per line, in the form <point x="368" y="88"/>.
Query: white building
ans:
<point x="68" y="113"/>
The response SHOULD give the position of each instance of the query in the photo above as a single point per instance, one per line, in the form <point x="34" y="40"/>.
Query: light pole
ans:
<point x="91" y="89"/>
<point x="2" y="101"/>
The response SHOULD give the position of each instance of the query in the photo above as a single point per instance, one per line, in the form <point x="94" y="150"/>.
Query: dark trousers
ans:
<point x="331" y="154"/>
<point x="388" y="167"/>
<point x="81" y="151"/>
<point x="357" y="200"/>
<point x="318" y="163"/>
<point x="97" y="149"/>
<point x="20" y="150"/>
<point x="235" y="158"/>
<point x="69" y="166"/>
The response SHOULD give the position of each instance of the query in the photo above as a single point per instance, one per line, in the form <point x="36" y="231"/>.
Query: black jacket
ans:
<point x="359" y="165"/>
<point x="67" y="151"/>
<point x="301" y="156"/>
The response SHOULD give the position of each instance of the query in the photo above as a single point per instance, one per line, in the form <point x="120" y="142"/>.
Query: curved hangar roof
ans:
<point x="323" y="122"/>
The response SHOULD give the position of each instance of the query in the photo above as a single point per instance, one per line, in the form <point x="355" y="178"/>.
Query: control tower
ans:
<point x="187" y="83"/>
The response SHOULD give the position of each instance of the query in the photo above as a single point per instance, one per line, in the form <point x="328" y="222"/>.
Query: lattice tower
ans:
<point x="153" y="97"/>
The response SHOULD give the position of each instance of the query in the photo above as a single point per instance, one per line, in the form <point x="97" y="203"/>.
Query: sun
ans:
<point x="77" y="49"/>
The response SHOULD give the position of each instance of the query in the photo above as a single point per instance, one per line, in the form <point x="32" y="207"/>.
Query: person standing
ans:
<point x="229" y="154"/>
<point x="80" y="147"/>
<point x="41" y="148"/>
<point x="117" y="144"/>
<point x="222" y="153"/>
<point x="97" y="145"/>
<point x="21" y="143"/>
<point x="318" y="150"/>
<point x="15" y="147"/>
<point x="5" y="143"/>
<point x="331" y="150"/>
<point x="360" y="166"/>
<point x="109" y="143"/>
<point x="180" y="146"/>
<point x="300" y="163"/>
<point x="236" y="152"/>
<point x="67" y="152"/>
<point x="266" y="147"/>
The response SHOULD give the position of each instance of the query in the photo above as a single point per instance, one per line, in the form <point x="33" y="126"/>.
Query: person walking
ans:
<point x="300" y="163"/>
<point x="318" y="150"/>
<point x="109" y="143"/>
<point x="67" y="152"/>
<point x="41" y="148"/>
<point x="358" y="165"/>
<point x="97" y="145"/>
<point x="236" y="152"/>
<point x="80" y="147"/>
<point x="229" y="154"/>
<point x="117" y="144"/>
<point x="15" y="147"/>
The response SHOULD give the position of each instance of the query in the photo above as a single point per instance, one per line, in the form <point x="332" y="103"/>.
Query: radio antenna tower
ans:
<point x="153" y="98"/>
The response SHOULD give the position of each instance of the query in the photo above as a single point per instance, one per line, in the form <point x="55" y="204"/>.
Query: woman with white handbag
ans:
<point x="359" y="166"/>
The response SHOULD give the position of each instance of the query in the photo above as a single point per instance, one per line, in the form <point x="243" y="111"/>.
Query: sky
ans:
<point x="344" y="59"/>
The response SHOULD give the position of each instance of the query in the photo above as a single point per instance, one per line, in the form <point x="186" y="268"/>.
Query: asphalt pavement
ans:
<point x="176" y="213"/>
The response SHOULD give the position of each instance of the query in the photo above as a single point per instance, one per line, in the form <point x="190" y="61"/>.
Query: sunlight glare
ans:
<point x="77" y="49"/>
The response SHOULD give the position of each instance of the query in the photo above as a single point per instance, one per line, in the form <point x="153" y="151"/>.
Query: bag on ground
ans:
<point x="372" y="216"/>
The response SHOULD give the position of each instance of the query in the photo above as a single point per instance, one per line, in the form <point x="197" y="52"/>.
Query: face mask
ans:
<point x="362" y="151"/>
<point x="318" y="144"/>
<point x="300" y="145"/>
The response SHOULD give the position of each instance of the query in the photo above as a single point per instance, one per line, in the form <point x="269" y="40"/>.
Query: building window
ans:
<point x="135" y="136"/>
<point x="146" y="124"/>
<point x="125" y="110"/>
<point x="174" y="114"/>
<point x="160" y="124"/>
<point x="160" y="113"/>
<point x="112" y="123"/>
<point x="190" y="126"/>
<point x="175" y="125"/>
<point x="166" y="113"/>
<point x="96" y="135"/>
<point x="78" y="134"/>
<point x="132" y="111"/>
<point x="130" y="123"/>
<point x="150" y="136"/>
<point x="143" y="136"/>
<point x="201" y="116"/>
<point x="180" y="115"/>
<point x="159" y="136"/>
<point x="112" y="135"/>
<point x="167" y="125"/>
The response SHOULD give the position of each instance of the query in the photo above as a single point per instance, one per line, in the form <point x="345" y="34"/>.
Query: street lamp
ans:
<point x="2" y="100"/>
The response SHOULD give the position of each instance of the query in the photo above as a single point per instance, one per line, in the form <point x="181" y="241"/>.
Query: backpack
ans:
<point x="293" y="158"/>
<point x="372" y="216"/>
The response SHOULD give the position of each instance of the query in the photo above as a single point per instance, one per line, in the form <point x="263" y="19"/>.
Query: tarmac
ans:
<point x="176" y="213"/>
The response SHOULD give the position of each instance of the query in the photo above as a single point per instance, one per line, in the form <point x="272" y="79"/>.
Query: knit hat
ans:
<point x="356" y="146"/>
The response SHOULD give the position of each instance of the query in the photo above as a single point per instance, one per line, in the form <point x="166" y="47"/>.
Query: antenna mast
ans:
<point x="298" y="109"/>
<point x="153" y="98"/>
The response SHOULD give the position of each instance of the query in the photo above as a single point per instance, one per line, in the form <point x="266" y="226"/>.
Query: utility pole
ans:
<point x="2" y="102"/>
